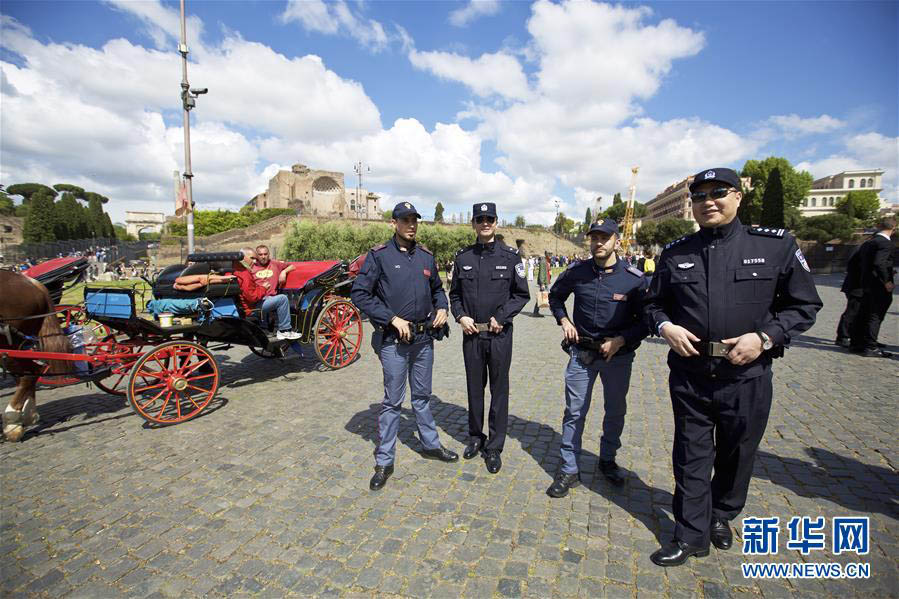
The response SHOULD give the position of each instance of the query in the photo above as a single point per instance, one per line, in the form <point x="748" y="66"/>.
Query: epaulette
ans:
<point x="465" y="249"/>
<point x="425" y="248"/>
<point x="634" y="271"/>
<point x="678" y="241"/>
<point x="511" y="249"/>
<point x="380" y="246"/>
<point x="767" y="232"/>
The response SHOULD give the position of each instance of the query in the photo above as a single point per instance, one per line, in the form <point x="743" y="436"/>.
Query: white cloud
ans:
<point x="332" y="18"/>
<point x="793" y="125"/>
<point x="489" y="74"/>
<point x="473" y="10"/>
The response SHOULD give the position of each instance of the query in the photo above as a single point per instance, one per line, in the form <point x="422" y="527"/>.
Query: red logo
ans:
<point x="619" y="297"/>
<point x="427" y="273"/>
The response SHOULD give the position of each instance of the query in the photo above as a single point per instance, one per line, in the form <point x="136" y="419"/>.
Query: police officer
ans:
<point x="489" y="288"/>
<point x="607" y="329"/>
<point x="727" y="299"/>
<point x="400" y="290"/>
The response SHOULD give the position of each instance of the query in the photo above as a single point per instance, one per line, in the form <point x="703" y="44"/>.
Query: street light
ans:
<point x="556" y="202"/>
<point x="359" y="168"/>
<point x="188" y="101"/>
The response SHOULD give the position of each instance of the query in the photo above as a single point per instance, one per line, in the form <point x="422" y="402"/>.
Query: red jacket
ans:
<point x="250" y="292"/>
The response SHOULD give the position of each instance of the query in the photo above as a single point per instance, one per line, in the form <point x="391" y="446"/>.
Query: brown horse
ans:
<point x="27" y="310"/>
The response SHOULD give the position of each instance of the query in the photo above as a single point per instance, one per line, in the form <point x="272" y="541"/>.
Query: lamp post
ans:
<point x="556" y="202"/>
<point x="188" y="100"/>
<point x="359" y="168"/>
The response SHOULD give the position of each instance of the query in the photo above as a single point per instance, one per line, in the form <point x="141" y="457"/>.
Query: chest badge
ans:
<point x="396" y="265"/>
<point x="500" y="267"/>
<point x="686" y="265"/>
<point x="747" y="261"/>
<point x="466" y="267"/>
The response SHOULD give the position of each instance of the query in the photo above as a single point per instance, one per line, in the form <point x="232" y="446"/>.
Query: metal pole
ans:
<point x="185" y="95"/>
<point x="558" y="224"/>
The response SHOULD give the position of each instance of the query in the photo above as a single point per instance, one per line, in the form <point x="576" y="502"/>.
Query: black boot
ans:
<point x="382" y="473"/>
<point x="612" y="472"/>
<point x="563" y="482"/>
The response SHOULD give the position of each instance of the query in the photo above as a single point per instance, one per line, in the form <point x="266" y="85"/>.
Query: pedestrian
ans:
<point x="544" y="276"/>
<point x="488" y="290"/>
<point x="399" y="288"/>
<point x="877" y="273"/>
<point x="608" y="327"/>
<point x="853" y="290"/>
<point x="726" y="299"/>
<point x="531" y="262"/>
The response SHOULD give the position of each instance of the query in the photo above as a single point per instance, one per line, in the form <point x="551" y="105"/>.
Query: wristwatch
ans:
<point x="766" y="340"/>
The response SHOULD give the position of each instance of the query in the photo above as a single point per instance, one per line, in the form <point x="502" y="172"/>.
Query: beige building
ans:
<point x="674" y="201"/>
<point x="826" y="192"/>
<point x="317" y="192"/>
<point x="135" y="222"/>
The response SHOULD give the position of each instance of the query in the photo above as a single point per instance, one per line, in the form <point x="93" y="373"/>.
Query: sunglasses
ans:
<point x="485" y="219"/>
<point x="715" y="194"/>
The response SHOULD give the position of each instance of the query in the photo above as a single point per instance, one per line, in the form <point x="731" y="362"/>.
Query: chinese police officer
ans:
<point x="489" y="288"/>
<point x="400" y="290"/>
<point x="727" y="299"/>
<point x="607" y="329"/>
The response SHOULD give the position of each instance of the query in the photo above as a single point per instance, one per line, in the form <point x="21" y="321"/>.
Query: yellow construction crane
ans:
<point x="627" y="229"/>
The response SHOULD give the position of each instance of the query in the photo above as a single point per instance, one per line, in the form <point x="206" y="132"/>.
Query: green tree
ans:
<point x="76" y="191"/>
<point x="438" y="213"/>
<point x="646" y="234"/>
<point x="90" y="195"/>
<point x="95" y="214"/>
<point x="588" y="218"/>
<point x="520" y="222"/>
<point x="672" y="228"/>
<point x="773" y="201"/>
<point x="860" y="204"/>
<point x="617" y="211"/>
<point x="563" y="224"/>
<point x="826" y="227"/>
<point x="38" y="226"/>
<point x="109" y="230"/>
<point x="69" y="218"/>
<point x="7" y="206"/>
<point x="387" y="215"/>
<point x="27" y="190"/>
<point x="795" y="187"/>
<point x="616" y="199"/>
<point x="122" y="234"/>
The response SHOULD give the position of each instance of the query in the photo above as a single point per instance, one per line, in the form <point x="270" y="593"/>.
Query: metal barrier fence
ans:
<point x="113" y="249"/>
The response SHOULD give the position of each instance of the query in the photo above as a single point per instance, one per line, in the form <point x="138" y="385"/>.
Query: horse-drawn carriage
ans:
<point x="169" y="373"/>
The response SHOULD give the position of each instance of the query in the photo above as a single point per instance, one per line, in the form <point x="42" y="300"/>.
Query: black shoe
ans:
<point x="493" y="461"/>
<point x="563" y="482"/>
<point x="472" y="449"/>
<point x="842" y="342"/>
<point x="875" y="353"/>
<point x="441" y="453"/>
<point x="721" y="535"/>
<point x="612" y="472"/>
<point x="382" y="473"/>
<point x="676" y="554"/>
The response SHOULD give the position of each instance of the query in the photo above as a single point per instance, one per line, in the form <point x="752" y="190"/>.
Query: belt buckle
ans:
<point x="482" y="327"/>
<point x="719" y="350"/>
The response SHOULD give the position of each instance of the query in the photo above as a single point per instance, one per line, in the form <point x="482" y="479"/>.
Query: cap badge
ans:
<point x="709" y="175"/>
<point x="408" y="206"/>
<point x="483" y="207"/>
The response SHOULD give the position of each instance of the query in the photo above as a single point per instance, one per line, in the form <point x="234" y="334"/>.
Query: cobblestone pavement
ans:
<point x="267" y="493"/>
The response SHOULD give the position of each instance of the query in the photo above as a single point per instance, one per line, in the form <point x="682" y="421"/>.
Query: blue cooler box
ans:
<point x="109" y="303"/>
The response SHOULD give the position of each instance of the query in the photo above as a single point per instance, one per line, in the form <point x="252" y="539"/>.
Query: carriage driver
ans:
<point x="253" y="295"/>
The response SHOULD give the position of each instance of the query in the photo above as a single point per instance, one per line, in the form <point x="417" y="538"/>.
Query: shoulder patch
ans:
<point x="634" y="271"/>
<point x="425" y="248"/>
<point x="767" y="232"/>
<point x="465" y="249"/>
<point x="380" y="246"/>
<point x="511" y="249"/>
<point x="678" y="241"/>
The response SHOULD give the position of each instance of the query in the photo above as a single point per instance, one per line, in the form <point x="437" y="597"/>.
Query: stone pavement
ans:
<point x="266" y="494"/>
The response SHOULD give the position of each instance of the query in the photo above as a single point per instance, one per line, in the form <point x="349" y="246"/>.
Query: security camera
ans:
<point x="199" y="90"/>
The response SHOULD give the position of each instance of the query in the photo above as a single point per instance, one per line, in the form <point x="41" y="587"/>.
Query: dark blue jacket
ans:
<point x="488" y="280"/>
<point x="728" y="281"/>
<point x="396" y="282"/>
<point x="607" y="302"/>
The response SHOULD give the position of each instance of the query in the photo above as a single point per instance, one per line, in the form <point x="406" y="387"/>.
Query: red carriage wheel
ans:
<point x="127" y="353"/>
<point x="338" y="334"/>
<point x="75" y="315"/>
<point x="173" y="382"/>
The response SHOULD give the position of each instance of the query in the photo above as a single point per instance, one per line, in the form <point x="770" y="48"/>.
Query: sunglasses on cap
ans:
<point x="715" y="194"/>
<point x="485" y="219"/>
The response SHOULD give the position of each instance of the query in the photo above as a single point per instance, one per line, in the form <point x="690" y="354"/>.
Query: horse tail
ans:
<point x="53" y="339"/>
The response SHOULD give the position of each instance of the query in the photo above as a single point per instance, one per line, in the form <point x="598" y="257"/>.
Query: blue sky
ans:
<point x="520" y="104"/>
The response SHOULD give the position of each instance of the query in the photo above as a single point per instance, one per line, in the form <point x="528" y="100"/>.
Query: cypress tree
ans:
<point x="773" y="202"/>
<point x="38" y="226"/>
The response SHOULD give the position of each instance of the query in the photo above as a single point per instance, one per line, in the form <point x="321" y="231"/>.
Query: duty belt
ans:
<point x="712" y="349"/>
<point x="418" y="328"/>
<point x="482" y="327"/>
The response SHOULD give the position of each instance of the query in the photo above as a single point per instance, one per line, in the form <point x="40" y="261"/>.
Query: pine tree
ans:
<point x="438" y="213"/>
<point x="38" y="227"/>
<point x="95" y="214"/>
<point x="773" y="202"/>
<point x="588" y="218"/>
<point x="108" y="229"/>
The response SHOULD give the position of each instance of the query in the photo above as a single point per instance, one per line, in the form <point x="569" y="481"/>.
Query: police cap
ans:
<point x="721" y="175"/>
<point x="484" y="209"/>
<point x="606" y="225"/>
<point x="404" y="209"/>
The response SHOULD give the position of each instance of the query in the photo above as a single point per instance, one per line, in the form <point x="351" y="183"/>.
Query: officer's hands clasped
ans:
<point x="679" y="339"/>
<point x="746" y="348"/>
<point x="467" y="324"/>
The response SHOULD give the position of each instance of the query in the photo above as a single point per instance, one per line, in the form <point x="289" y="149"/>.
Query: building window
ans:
<point x="805" y="201"/>
<point x="813" y="202"/>
<point x="831" y="201"/>
<point x="870" y="182"/>
<point x="851" y="183"/>
<point x="862" y="183"/>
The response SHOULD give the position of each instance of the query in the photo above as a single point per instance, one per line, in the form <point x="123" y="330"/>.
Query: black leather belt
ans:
<point x="713" y="349"/>
<point x="482" y="327"/>
<point x="418" y="328"/>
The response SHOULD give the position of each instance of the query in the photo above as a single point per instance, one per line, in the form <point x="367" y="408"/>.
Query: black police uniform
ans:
<point x="721" y="283"/>
<point x="488" y="281"/>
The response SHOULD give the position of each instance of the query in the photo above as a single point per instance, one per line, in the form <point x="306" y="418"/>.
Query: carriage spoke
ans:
<point x="192" y="399"/>
<point x="201" y="376"/>
<point x="151" y="400"/>
<point x="142" y="389"/>
<point x="164" y="404"/>
<point x="191" y="368"/>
